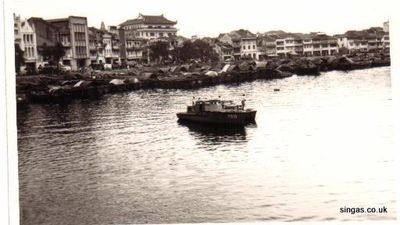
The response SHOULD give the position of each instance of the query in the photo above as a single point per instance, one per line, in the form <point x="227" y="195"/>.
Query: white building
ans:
<point x="248" y="47"/>
<point x="149" y="27"/>
<point x="25" y="37"/>
<point x="134" y="48"/>
<point x="352" y="43"/>
<point x="29" y="45"/>
<point x="385" y="41"/>
<point x="386" y="26"/>
<point x="323" y="44"/>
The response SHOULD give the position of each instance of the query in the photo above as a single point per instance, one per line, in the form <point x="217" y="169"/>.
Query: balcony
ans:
<point x="66" y="44"/>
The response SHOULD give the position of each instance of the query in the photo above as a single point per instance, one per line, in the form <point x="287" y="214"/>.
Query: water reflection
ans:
<point x="125" y="159"/>
<point x="209" y="134"/>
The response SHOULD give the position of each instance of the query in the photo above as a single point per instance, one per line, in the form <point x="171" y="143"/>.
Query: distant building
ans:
<point x="149" y="27"/>
<point x="135" y="48"/>
<point x="249" y="47"/>
<point x="224" y="51"/>
<point x="372" y="39"/>
<point x="136" y="34"/>
<point x="322" y="45"/>
<point x="268" y="45"/>
<point x="75" y="38"/>
<point x="25" y="37"/>
<point x="385" y="41"/>
<point x="29" y="45"/>
<point x="96" y="46"/>
<point x="386" y="26"/>
<point x="17" y="30"/>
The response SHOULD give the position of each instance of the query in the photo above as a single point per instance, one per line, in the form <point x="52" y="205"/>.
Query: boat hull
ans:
<point x="234" y="118"/>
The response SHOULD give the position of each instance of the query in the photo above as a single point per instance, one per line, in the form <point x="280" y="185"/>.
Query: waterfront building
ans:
<point x="136" y="34"/>
<point x="25" y="37"/>
<point x="371" y="39"/>
<point x="96" y="46"/>
<point x="135" y="48"/>
<point x="386" y="26"/>
<point x="322" y="44"/>
<point x="149" y="27"/>
<point x="385" y="41"/>
<point x="46" y="35"/>
<point x="29" y="46"/>
<point x="104" y="45"/>
<point x="75" y="38"/>
<point x="287" y="44"/>
<point x="17" y="30"/>
<point x="248" y="46"/>
<point x="224" y="51"/>
<point x="234" y="38"/>
<point x="267" y="45"/>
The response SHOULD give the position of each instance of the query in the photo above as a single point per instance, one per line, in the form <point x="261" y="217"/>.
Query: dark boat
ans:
<point x="218" y="112"/>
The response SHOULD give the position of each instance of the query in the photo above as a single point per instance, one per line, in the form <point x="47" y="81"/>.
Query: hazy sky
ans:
<point x="211" y="17"/>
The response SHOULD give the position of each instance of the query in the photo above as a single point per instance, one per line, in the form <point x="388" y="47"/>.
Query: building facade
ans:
<point x="149" y="27"/>
<point x="224" y="51"/>
<point x="25" y="38"/>
<point x="136" y="34"/>
<point x="75" y="38"/>
<point x="248" y="46"/>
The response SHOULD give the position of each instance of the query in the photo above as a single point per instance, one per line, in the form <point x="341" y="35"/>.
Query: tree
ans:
<point x="197" y="50"/>
<point x="53" y="54"/>
<point x="19" y="58"/>
<point x="159" y="50"/>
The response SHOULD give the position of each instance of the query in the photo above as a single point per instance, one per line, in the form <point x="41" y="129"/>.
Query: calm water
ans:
<point x="320" y="143"/>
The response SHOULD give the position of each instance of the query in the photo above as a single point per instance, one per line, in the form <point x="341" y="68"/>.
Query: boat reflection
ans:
<point x="216" y="134"/>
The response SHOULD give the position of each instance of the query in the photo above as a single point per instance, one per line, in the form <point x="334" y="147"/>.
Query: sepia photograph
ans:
<point x="171" y="112"/>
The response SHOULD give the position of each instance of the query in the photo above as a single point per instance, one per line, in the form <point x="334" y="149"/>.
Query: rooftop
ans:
<point x="149" y="19"/>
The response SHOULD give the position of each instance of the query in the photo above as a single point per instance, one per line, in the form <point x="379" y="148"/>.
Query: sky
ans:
<point x="212" y="17"/>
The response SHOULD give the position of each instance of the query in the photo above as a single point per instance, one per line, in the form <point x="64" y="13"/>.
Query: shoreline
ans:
<point x="94" y="84"/>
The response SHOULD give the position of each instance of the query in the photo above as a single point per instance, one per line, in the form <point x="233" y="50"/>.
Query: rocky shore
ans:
<point x="92" y="84"/>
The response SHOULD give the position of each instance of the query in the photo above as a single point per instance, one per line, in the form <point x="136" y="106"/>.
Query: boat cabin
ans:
<point x="214" y="106"/>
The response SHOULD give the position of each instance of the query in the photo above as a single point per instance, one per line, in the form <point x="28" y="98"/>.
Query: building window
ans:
<point x="254" y="47"/>
<point x="151" y="34"/>
<point x="161" y="34"/>
<point x="244" y="47"/>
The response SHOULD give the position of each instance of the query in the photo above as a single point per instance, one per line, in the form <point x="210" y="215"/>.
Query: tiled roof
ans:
<point x="41" y="20"/>
<point x="148" y="19"/>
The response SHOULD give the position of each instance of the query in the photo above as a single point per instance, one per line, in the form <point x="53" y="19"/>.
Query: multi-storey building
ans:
<point x="75" y="38"/>
<point x="320" y="44"/>
<point x="17" y="30"/>
<point x="136" y="34"/>
<point x="268" y="45"/>
<point x="135" y="48"/>
<point x="46" y="35"/>
<point x="29" y="45"/>
<point x="372" y="39"/>
<point x="248" y="46"/>
<point x="386" y="26"/>
<point x="25" y="37"/>
<point x="149" y="27"/>
<point x="385" y="41"/>
<point x="224" y="50"/>
<point x="96" y="46"/>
